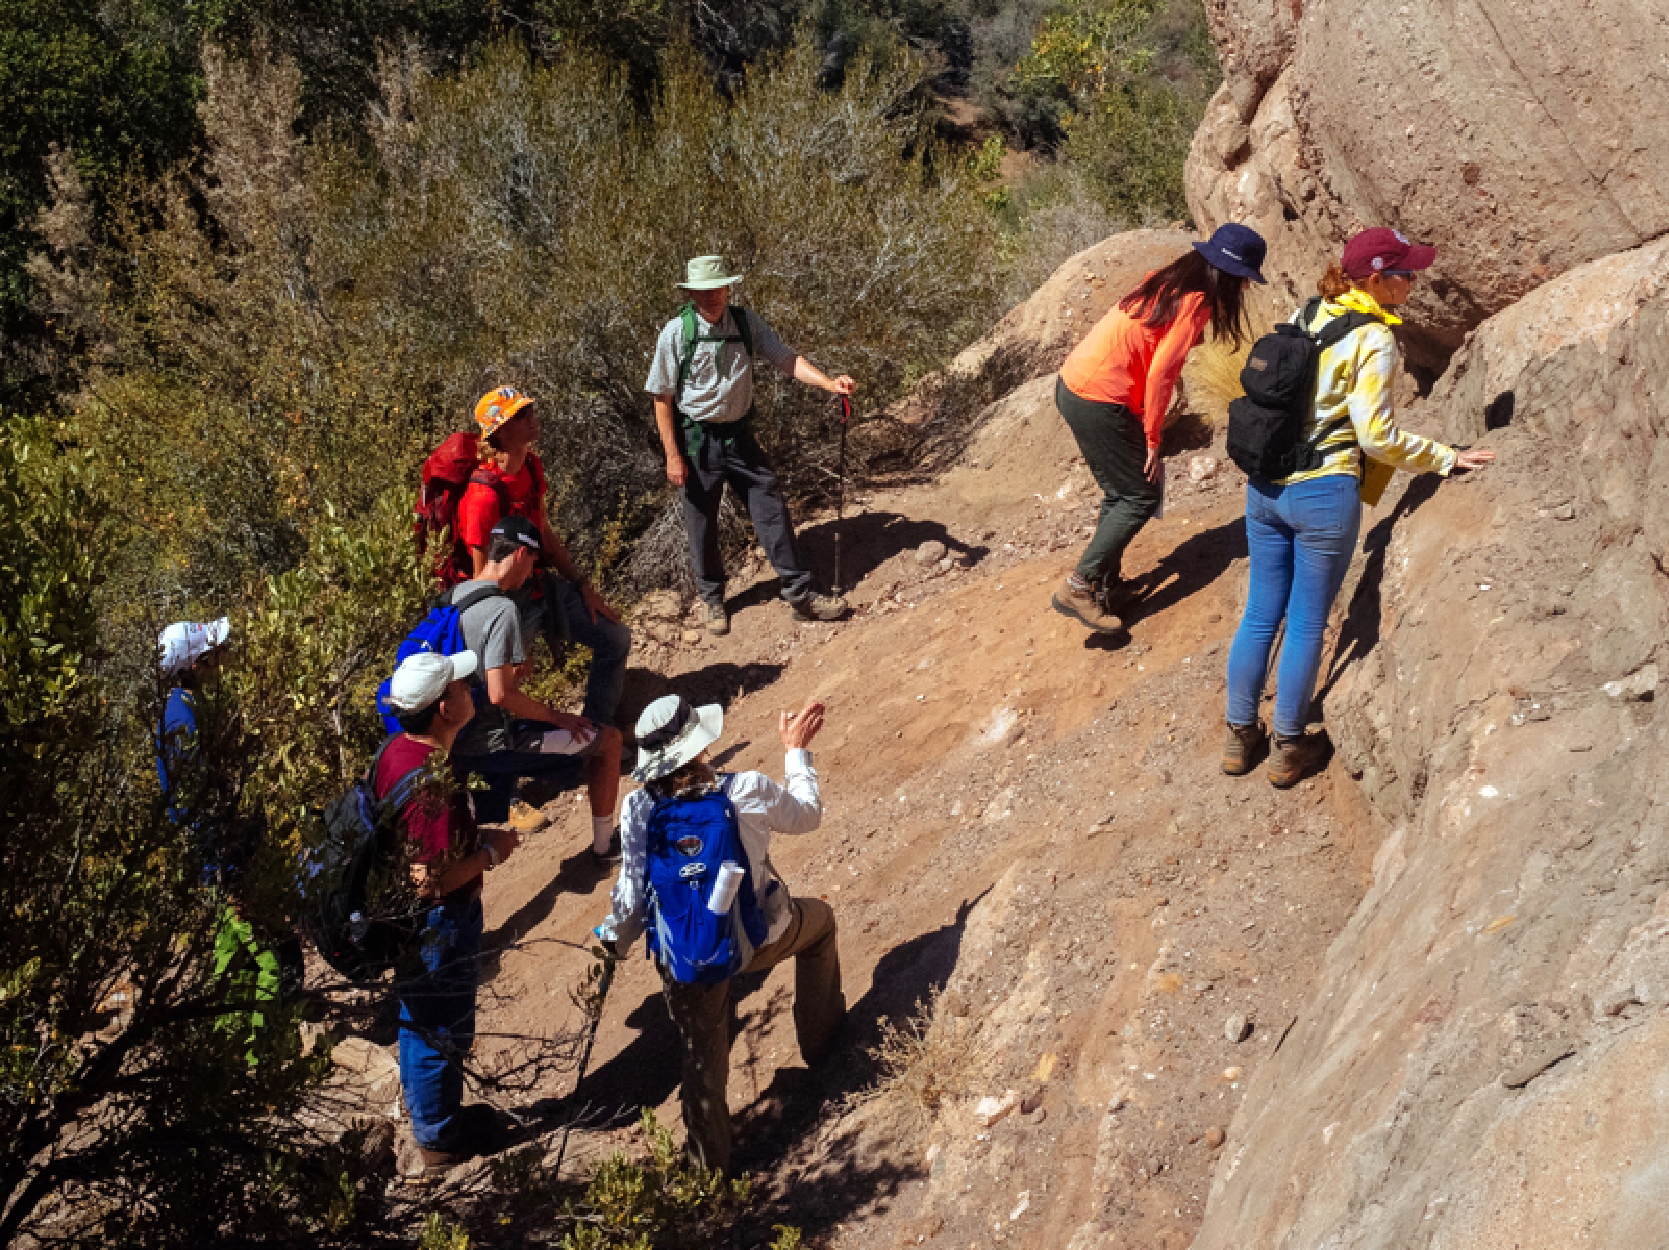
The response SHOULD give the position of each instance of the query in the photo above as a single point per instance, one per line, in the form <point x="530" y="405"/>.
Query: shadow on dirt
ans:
<point x="850" y="1180"/>
<point x="1195" y="563"/>
<point x="717" y="683"/>
<point x="867" y="540"/>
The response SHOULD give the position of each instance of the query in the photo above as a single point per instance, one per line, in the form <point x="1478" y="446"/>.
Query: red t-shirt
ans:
<point x="479" y="510"/>
<point x="435" y="830"/>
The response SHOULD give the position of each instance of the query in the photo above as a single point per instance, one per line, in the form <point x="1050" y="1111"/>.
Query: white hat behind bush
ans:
<point x="183" y="643"/>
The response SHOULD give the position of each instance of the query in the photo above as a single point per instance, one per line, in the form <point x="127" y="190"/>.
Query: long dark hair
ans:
<point x="1159" y="298"/>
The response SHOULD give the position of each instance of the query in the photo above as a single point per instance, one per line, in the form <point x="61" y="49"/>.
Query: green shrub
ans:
<point x="339" y="304"/>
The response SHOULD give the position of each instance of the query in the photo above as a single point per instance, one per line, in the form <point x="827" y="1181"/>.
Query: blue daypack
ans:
<point x="441" y="631"/>
<point x="689" y="839"/>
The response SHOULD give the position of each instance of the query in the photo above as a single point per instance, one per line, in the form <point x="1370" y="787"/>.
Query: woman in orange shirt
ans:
<point x="1114" y="389"/>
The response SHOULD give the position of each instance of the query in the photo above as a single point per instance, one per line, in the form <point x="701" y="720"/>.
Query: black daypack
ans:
<point x="1267" y="423"/>
<point x="360" y="918"/>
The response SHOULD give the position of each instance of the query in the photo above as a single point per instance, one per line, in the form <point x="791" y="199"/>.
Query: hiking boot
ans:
<point x="819" y="608"/>
<point x="1082" y="607"/>
<point x="718" y="620"/>
<point x="1241" y="748"/>
<point x="525" y="818"/>
<point x="1293" y="759"/>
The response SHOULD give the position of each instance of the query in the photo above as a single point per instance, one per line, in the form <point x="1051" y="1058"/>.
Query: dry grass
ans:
<point x="1212" y="379"/>
<point x="928" y="1061"/>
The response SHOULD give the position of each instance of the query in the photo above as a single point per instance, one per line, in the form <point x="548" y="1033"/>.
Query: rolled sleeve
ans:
<point x="767" y="344"/>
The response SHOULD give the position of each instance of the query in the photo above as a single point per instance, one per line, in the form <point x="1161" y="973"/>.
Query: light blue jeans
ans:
<point x="1300" y="539"/>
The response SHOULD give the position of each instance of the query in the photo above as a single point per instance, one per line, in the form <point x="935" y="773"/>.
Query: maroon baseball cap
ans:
<point x="1375" y="251"/>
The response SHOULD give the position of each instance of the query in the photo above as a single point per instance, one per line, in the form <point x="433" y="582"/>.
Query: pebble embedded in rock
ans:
<point x="1231" y="1074"/>
<point x="1214" y="1137"/>
<point x="930" y="552"/>
<point x="1236" y="1028"/>
<point x="692" y="635"/>
<point x="1564" y="512"/>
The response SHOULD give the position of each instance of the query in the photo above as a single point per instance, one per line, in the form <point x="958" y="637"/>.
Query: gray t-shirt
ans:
<point x="493" y="630"/>
<point x="719" y="385"/>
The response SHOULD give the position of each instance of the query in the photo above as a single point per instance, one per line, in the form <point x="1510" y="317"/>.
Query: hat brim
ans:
<point x="464" y="664"/>
<point x="1420" y="256"/>
<point x="508" y="414"/>
<point x="1220" y="259"/>
<point x="709" y="284"/>
<point x="702" y="732"/>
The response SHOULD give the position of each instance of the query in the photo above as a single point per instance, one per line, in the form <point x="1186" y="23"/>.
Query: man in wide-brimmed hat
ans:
<point x="673" y="740"/>
<point x="702" y="383"/>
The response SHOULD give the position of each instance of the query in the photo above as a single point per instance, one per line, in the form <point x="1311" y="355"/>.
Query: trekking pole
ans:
<point x="840" y="510"/>
<point x="604" y="979"/>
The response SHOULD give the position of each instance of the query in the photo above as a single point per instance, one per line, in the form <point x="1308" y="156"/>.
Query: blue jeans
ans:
<point x="1300" y="538"/>
<point x="437" y="1020"/>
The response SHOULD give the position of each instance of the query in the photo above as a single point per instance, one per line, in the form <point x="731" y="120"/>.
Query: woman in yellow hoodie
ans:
<point x="1301" y="530"/>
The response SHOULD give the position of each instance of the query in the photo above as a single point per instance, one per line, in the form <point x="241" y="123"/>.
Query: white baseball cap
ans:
<point x="183" y="643"/>
<point x="424" y="677"/>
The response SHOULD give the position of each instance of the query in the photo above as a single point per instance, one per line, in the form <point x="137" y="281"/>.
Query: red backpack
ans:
<point x="447" y="473"/>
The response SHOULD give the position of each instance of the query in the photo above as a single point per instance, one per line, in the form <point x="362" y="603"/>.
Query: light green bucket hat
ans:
<point x="706" y="273"/>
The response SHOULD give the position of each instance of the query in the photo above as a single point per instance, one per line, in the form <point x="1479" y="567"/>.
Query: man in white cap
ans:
<point x="673" y="739"/>
<point x="701" y="379"/>
<point x="188" y="654"/>
<point x="431" y="698"/>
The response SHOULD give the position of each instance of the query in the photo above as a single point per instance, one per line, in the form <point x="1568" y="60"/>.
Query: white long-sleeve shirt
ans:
<point x="762" y="807"/>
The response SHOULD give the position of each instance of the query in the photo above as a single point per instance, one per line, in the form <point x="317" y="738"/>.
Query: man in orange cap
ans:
<point x="511" y="482"/>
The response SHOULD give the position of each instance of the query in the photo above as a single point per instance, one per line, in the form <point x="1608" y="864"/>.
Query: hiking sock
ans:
<point x="602" y="829"/>
<point x="1078" y="583"/>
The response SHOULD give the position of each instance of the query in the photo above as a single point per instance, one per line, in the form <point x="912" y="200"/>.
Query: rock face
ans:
<point x="1523" y="137"/>
<point x="1482" y="1064"/>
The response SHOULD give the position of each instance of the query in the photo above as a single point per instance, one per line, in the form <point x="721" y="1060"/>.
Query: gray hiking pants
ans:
<point x="1114" y="447"/>
<point x="740" y="461"/>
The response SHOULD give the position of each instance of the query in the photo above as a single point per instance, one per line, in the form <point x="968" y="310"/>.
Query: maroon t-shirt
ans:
<point x="437" y="830"/>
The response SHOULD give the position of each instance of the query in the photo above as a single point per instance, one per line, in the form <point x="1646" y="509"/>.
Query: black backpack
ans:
<point x="1280" y="383"/>
<point x="359" y="918"/>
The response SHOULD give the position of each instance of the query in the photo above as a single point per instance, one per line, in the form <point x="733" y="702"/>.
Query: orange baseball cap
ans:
<point x="497" y="406"/>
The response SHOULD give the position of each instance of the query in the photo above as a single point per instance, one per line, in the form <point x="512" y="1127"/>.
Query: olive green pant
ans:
<point x="1114" y="446"/>
<point x="702" y="1016"/>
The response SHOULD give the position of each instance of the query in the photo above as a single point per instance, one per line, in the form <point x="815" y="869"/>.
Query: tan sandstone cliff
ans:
<point x="1523" y="137"/>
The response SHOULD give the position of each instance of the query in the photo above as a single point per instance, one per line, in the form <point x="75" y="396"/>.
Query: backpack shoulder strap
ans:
<point x="686" y="322"/>
<point x="479" y="595"/>
<point x="1336" y="329"/>
<point x="536" y="467"/>
<point x="744" y="331"/>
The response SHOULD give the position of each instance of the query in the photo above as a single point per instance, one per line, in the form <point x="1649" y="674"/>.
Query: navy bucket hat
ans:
<point x="1236" y="249"/>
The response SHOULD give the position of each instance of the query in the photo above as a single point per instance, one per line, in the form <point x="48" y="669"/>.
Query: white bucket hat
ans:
<point x="706" y="273"/>
<point x="671" y="733"/>
<point x="183" y="643"/>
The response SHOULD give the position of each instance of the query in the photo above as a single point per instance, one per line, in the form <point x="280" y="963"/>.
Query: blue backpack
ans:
<point x="441" y="631"/>
<point x="689" y="839"/>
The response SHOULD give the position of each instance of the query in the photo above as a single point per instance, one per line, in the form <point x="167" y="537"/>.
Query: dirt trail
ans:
<point x="1028" y="821"/>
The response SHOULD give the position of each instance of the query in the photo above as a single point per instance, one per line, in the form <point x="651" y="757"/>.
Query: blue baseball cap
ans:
<point x="1236" y="249"/>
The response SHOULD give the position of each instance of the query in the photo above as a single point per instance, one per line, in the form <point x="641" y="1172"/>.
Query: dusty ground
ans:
<point x="1026" y="819"/>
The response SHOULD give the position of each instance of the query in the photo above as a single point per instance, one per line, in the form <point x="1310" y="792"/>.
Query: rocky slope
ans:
<point x="1482" y="1063"/>
<point x="1524" y="137"/>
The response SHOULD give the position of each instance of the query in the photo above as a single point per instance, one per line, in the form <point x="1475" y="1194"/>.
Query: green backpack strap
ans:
<point x="686" y="320"/>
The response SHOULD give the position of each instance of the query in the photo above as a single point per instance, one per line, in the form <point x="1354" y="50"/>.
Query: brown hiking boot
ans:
<point x="525" y="818"/>
<point x="819" y="608"/>
<point x="718" y="620"/>
<point x="1293" y="759"/>
<point x="1082" y="607"/>
<point x="1241" y="747"/>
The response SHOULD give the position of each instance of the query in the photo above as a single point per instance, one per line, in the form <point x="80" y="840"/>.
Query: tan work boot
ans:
<point x="718" y="620"/>
<point x="1082" y="607"/>
<point x="1293" y="759"/>
<point x="525" y="818"/>
<point x="1241" y="747"/>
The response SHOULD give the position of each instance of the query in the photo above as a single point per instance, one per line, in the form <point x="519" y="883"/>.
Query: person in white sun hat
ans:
<point x="188" y="655"/>
<point x="702" y="383"/>
<point x="657" y="825"/>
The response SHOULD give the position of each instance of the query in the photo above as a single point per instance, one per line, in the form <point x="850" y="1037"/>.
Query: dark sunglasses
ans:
<point x="1410" y="274"/>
